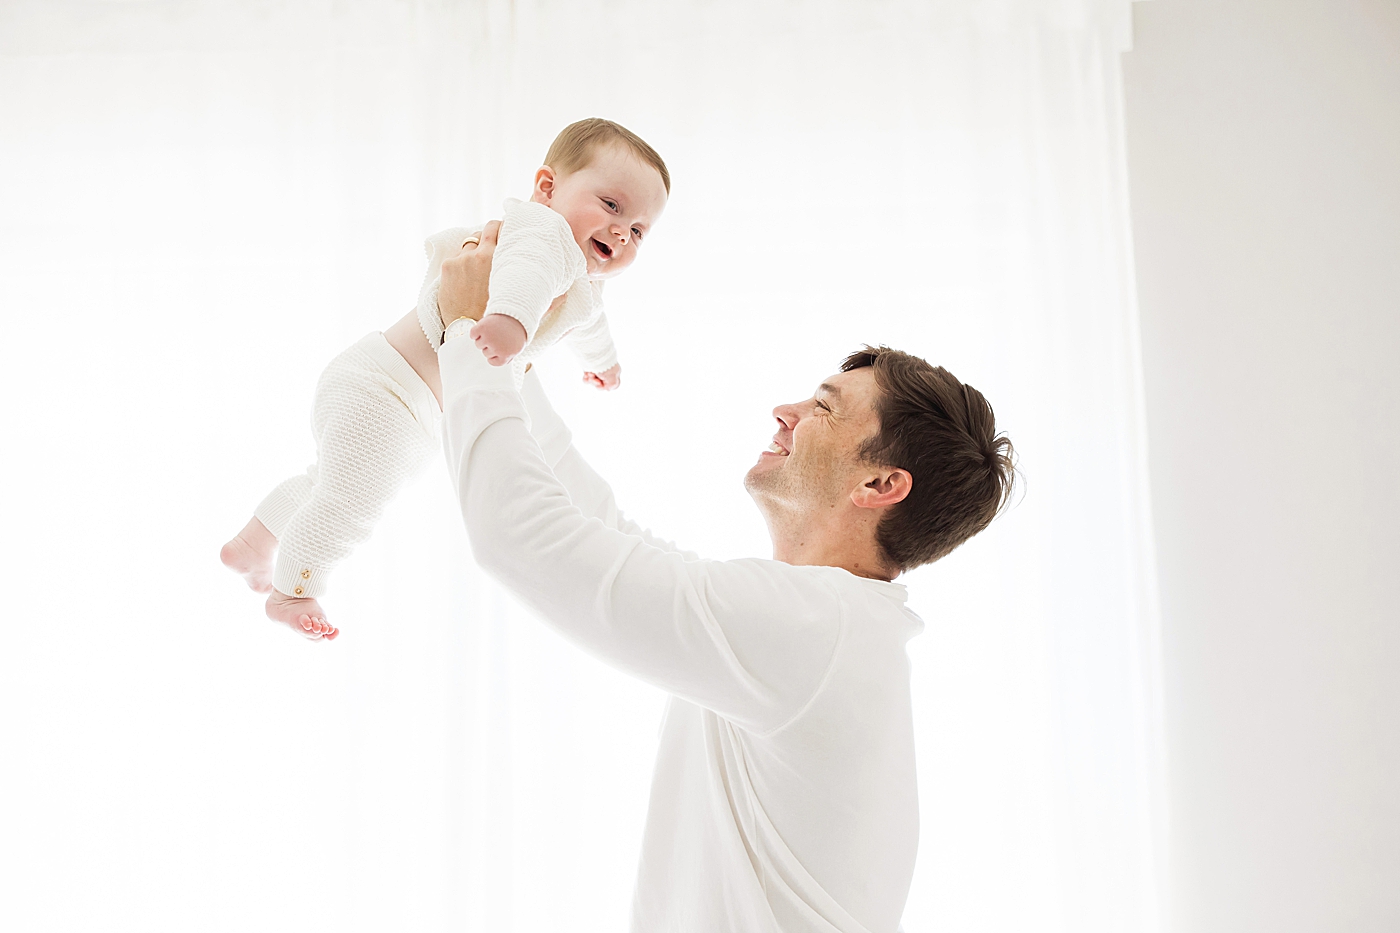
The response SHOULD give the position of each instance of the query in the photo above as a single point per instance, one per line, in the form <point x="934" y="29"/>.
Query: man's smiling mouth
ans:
<point x="602" y="249"/>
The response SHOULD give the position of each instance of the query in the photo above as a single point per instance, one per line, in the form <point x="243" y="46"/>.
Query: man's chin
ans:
<point x="752" y="478"/>
<point x="761" y="476"/>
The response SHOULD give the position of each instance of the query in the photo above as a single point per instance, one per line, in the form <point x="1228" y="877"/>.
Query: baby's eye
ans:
<point x="636" y="234"/>
<point x="612" y="205"/>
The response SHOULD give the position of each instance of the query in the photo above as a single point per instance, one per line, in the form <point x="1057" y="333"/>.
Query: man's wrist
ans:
<point x="457" y="328"/>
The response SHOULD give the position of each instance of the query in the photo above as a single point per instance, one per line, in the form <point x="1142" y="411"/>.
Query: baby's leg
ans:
<point x="369" y="443"/>
<point x="250" y="553"/>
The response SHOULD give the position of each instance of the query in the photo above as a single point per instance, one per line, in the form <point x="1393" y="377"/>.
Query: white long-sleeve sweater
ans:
<point x="784" y="795"/>
<point x="536" y="261"/>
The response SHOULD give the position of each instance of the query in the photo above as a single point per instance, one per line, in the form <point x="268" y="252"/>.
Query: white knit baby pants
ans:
<point x="376" y="424"/>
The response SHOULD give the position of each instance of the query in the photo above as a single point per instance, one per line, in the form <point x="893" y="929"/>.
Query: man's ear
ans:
<point x="544" y="185"/>
<point x="885" y="487"/>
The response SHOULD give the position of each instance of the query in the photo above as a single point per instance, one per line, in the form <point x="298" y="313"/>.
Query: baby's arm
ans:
<point x="536" y="260"/>
<point x="593" y="344"/>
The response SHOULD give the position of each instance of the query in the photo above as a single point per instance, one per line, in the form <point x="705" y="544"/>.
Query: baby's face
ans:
<point x="610" y="204"/>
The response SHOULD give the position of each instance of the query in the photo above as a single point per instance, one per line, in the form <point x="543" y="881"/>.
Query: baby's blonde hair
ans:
<point x="576" y="145"/>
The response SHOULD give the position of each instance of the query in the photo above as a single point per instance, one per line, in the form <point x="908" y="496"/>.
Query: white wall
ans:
<point x="1264" y="163"/>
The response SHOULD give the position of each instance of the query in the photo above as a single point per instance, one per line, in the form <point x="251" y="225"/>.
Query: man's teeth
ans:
<point x="773" y="448"/>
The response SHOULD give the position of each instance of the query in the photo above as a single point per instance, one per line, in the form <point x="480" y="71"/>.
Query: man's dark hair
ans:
<point x="944" y="434"/>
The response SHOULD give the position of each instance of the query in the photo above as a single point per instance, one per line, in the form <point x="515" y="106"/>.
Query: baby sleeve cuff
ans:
<point x="299" y="578"/>
<point x="599" y="363"/>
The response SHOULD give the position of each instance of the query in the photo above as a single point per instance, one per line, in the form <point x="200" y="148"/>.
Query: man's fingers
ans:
<point x="465" y="275"/>
<point x="487" y="237"/>
<point x="483" y="242"/>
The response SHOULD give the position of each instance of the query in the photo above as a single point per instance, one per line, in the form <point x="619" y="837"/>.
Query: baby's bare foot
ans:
<point x="499" y="337"/>
<point x="303" y="615"/>
<point x="249" y="554"/>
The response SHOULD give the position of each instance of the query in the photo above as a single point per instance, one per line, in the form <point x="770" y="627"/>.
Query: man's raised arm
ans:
<point x="589" y="491"/>
<point x="749" y="639"/>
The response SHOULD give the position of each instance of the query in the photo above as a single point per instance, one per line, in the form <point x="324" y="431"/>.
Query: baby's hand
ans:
<point x="499" y="337"/>
<point x="607" y="380"/>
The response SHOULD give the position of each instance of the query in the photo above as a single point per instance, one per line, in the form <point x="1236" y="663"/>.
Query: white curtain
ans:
<point x="202" y="201"/>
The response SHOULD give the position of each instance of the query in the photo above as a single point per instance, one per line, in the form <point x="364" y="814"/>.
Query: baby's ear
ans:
<point x="544" y="185"/>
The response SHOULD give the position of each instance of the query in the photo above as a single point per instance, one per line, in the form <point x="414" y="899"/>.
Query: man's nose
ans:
<point x="788" y="416"/>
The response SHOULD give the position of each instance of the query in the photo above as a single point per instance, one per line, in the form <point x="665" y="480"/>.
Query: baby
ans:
<point x="377" y="412"/>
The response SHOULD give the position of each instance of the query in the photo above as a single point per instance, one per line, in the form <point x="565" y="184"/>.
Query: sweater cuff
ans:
<point x="600" y="363"/>
<point x="293" y="577"/>
<point x="515" y="312"/>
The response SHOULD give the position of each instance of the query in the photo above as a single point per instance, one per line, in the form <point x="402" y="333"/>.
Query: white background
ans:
<point x="1263" y="140"/>
<point x="200" y="203"/>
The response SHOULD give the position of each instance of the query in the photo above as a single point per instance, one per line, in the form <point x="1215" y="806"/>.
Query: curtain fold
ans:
<point x="201" y="203"/>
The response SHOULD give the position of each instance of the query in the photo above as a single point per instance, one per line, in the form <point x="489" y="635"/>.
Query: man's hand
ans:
<point x="463" y="289"/>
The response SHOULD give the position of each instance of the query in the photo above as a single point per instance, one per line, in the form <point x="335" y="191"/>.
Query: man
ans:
<point x="784" y="795"/>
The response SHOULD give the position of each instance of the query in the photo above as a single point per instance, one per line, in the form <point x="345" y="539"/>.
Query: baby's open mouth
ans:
<point x="602" y="249"/>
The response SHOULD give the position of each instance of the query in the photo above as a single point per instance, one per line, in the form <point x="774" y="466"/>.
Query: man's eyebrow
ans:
<point x="829" y="389"/>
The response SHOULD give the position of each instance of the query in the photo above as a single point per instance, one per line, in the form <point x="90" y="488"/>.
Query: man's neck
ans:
<point x="842" y="543"/>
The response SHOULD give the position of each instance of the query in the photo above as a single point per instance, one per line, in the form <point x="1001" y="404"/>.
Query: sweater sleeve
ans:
<point x="592" y="342"/>
<point x="536" y="261"/>
<point x="589" y="491"/>
<point x="748" y="639"/>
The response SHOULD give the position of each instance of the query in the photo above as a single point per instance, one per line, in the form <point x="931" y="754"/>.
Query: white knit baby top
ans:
<point x="536" y="261"/>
